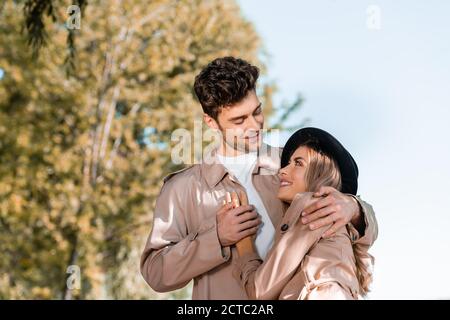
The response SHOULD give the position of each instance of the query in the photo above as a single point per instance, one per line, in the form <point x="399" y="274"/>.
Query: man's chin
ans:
<point x="254" y="146"/>
<point x="249" y="147"/>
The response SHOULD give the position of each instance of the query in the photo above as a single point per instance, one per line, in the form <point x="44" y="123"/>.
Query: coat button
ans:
<point x="284" y="227"/>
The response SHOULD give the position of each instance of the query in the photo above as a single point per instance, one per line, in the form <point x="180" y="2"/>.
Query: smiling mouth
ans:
<point x="252" y="138"/>
<point x="285" y="184"/>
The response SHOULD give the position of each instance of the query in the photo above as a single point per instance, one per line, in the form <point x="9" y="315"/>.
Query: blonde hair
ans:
<point x="323" y="170"/>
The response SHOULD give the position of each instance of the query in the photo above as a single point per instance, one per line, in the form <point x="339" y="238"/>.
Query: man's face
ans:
<point x="241" y="124"/>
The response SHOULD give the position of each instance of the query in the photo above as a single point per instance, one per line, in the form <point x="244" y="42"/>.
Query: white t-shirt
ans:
<point x="241" y="168"/>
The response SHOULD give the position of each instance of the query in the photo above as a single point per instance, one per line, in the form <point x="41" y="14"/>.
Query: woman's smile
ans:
<point x="285" y="183"/>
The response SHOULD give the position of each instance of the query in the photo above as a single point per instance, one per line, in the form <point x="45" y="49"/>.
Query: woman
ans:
<point x="301" y="264"/>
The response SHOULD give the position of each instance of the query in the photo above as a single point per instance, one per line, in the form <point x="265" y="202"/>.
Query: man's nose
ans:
<point x="254" y="124"/>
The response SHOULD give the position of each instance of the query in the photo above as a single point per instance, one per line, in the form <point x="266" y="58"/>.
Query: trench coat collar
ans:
<point x="267" y="163"/>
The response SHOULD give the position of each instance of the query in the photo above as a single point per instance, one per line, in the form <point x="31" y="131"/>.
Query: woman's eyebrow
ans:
<point x="299" y="158"/>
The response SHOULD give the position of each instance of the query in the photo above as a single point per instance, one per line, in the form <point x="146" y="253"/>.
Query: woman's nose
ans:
<point x="282" y="172"/>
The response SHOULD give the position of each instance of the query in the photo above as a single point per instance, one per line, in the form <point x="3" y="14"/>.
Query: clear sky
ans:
<point x="383" y="89"/>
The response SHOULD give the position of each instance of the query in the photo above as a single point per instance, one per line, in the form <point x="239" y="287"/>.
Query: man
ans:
<point x="193" y="234"/>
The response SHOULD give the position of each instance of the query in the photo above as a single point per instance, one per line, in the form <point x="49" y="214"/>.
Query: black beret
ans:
<point x="322" y="141"/>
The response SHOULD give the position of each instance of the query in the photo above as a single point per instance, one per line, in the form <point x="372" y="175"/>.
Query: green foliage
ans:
<point x="77" y="183"/>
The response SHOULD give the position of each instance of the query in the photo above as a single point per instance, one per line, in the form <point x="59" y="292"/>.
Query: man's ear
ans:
<point x="210" y="122"/>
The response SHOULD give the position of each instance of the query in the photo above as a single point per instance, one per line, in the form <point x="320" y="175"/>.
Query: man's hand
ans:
<point x="334" y="207"/>
<point x="236" y="224"/>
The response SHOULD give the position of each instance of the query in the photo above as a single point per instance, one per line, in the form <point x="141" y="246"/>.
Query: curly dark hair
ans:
<point x="224" y="82"/>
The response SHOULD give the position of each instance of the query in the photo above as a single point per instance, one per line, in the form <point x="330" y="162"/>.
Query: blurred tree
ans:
<point x="36" y="16"/>
<point x="83" y="156"/>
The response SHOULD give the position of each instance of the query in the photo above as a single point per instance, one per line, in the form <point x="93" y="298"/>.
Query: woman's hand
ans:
<point x="236" y="222"/>
<point x="245" y="245"/>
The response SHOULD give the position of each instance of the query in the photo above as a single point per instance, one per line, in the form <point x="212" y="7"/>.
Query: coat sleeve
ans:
<point x="172" y="257"/>
<point x="371" y="225"/>
<point x="265" y="280"/>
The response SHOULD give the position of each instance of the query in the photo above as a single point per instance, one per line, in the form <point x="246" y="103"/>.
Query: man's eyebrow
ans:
<point x="239" y="117"/>
<point x="245" y="116"/>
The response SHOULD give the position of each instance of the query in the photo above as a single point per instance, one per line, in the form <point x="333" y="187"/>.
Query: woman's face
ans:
<point x="292" y="176"/>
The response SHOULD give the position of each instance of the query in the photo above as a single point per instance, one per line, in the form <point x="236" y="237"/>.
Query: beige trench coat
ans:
<point x="302" y="266"/>
<point x="183" y="243"/>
